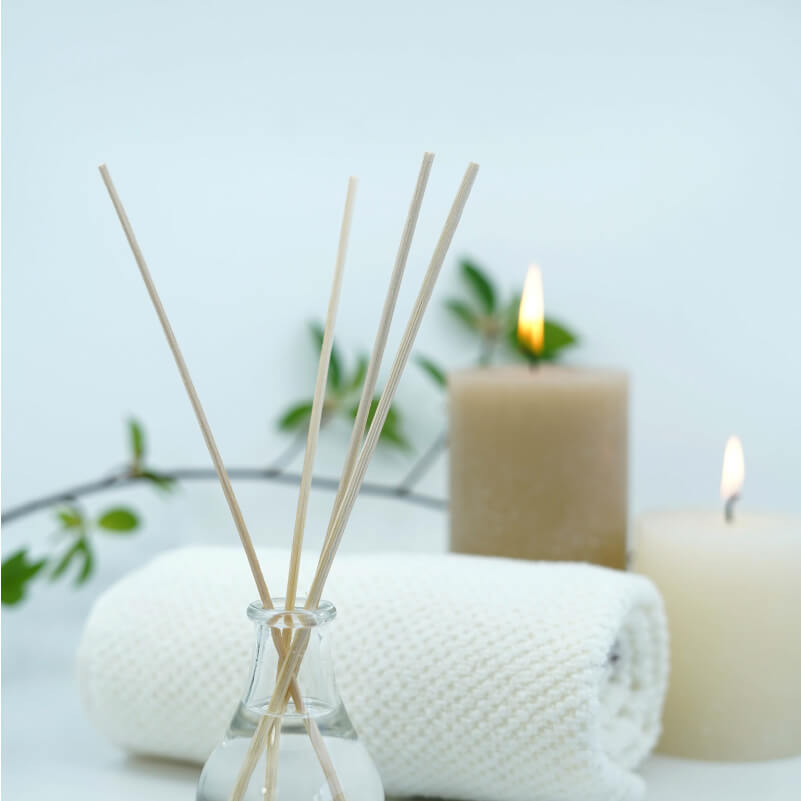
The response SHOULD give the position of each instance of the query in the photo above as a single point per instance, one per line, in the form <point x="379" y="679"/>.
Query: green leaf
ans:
<point x="392" y="436"/>
<point x="66" y="559"/>
<point x="295" y="417"/>
<point x="557" y="336"/>
<point x="460" y="310"/>
<point x="513" y="311"/>
<point x="317" y="333"/>
<point x="163" y="483"/>
<point x="70" y="517"/>
<point x="17" y="571"/>
<point x="79" y="549"/>
<point x="436" y="373"/>
<point x="480" y="284"/>
<point x="88" y="566"/>
<point x="136" y="437"/>
<point x="334" y="363"/>
<point x="359" y="374"/>
<point x="118" y="520"/>
<point x="392" y="414"/>
<point x="390" y="433"/>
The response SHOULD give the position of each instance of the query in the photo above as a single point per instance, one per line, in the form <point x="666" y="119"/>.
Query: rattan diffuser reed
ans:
<point x="362" y="444"/>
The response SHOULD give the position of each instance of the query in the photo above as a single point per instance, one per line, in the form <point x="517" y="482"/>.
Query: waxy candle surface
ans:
<point x="733" y="597"/>
<point x="538" y="463"/>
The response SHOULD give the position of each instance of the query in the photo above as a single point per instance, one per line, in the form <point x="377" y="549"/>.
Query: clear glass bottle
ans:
<point x="294" y="773"/>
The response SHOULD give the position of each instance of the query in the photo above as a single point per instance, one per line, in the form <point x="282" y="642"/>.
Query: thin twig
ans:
<point x="67" y="496"/>
<point x="424" y="463"/>
<point x="328" y="483"/>
<point x="287" y="456"/>
<point x="126" y="479"/>
<point x="487" y="347"/>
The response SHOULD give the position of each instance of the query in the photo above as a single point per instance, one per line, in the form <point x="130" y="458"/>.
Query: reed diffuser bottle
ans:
<point x="314" y="734"/>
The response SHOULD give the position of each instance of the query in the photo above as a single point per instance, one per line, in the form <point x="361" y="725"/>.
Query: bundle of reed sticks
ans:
<point x="362" y="444"/>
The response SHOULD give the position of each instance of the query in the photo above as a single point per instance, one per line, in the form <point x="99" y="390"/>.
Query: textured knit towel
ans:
<point x="466" y="677"/>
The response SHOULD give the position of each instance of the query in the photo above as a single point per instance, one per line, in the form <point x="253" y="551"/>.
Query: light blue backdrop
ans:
<point x="646" y="155"/>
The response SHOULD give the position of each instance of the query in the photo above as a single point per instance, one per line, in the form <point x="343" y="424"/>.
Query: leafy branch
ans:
<point x="478" y="311"/>
<point x="73" y="551"/>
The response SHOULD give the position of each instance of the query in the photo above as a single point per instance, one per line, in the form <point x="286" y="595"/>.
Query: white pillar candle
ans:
<point x="732" y="593"/>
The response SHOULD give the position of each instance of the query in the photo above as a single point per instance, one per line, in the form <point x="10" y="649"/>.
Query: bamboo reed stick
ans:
<point x="228" y="491"/>
<point x="374" y="365"/>
<point x="365" y="401"/>
<point x="341" y="515"/>
<point x="312" y="435"/>
<point x="293" y="658"/>
<point x="319" y="398"/>
<point x="271" y="768"/>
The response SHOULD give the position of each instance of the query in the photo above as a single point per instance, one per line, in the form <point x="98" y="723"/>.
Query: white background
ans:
<point x="644" y="154"/>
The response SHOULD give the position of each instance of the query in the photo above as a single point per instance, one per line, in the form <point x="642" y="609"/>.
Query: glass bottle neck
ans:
<point x="278" y="633"/>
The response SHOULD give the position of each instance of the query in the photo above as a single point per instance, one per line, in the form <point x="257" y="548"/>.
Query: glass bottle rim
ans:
<point x="279" y="617"/>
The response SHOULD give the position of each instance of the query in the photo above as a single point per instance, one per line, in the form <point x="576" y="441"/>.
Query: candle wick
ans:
<point x="728" y="508"/>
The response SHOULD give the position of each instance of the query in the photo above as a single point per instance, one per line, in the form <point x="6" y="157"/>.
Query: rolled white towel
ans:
<point x="466" y="677"/>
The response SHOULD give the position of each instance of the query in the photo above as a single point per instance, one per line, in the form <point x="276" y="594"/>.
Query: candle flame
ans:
<point x="531" y="319"/>
<point x="731" y="480"/>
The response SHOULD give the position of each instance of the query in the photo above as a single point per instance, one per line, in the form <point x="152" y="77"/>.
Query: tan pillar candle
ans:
<point x="538" y="463"/>
<point x="539" y="455"/>
<point x="732" y="593"/>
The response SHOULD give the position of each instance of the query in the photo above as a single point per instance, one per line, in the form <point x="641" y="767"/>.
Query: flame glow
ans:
<point x="531" y="319"/>
<point x="731" y="480"/>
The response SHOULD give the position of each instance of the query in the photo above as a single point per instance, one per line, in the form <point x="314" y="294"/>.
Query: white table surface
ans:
<point x="57" y="755"/>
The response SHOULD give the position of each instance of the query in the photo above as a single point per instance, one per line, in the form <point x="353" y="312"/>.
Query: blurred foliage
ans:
<point x="434" y="372"/>
<point x="17" y="571"/>
<point x="342" y="397"/>
<point x="493" y="323"/>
